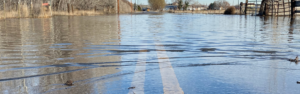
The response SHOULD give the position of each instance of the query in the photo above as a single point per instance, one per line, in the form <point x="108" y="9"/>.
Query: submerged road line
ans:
<point x="169" y="79"/>
<point x="139" y="74"/>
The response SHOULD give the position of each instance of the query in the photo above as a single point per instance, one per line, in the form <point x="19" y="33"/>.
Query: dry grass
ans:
<point x="230" y="10"/>
<point x="45" y="13"/>
<point x="78" y="13"/>
<point x="25" y="10"/>
<point x="126" y="1"/>
<point x="2" y="16"/>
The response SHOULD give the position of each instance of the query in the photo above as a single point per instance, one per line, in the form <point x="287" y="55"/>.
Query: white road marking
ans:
<point x="139" y="75"/>
<point x="169" y="79"/>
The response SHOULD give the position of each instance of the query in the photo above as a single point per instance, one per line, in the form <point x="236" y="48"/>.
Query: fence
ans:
<point x="278" y="7"/>
<point x="271" y="7"/>
<point x="250" y="7"/>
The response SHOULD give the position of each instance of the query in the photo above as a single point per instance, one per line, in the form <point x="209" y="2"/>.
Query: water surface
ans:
<point x="110" y="53"/>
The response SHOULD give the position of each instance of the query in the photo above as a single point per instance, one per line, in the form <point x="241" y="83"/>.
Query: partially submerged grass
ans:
<point x="44" y="12"/>
<point x="82" y="12"/>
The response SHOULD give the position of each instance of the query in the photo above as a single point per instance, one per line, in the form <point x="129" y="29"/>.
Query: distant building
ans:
<point x="171" y="7"/>
<point x="197" y="7"/>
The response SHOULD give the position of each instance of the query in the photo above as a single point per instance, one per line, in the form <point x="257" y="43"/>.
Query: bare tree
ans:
<point x="180" y="4"/>
<point x="221" y="3"/>
<point x="157" y="4"/>
<point x="186" y="5"/>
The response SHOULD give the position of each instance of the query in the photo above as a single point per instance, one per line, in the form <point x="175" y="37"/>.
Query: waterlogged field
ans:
<point x="152" y="54"/>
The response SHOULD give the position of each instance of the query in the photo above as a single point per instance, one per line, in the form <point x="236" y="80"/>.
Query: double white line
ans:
<point x="169" y="79"/>
<point x="139" y="74"/>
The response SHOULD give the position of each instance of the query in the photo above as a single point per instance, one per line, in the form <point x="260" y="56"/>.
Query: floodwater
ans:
<point x="150" y="54"/>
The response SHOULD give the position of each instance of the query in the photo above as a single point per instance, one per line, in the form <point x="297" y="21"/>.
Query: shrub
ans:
<point x="139" y="8"/>
<point x="230" y="10"/>
<point x="157" y="4"/>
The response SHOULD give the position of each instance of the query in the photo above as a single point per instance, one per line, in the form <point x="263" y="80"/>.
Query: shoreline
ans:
<point x="93" y="13"/>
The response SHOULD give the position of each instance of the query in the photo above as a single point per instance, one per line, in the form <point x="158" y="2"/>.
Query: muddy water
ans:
<point x="149" y="54"/>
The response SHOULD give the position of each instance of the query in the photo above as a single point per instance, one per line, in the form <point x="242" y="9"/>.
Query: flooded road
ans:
<point x="150" y="54"/>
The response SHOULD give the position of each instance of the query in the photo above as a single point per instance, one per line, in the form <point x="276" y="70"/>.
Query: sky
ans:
<point x="200" y="1"/>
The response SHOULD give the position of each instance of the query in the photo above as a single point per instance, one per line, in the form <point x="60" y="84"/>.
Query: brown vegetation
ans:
<point x="34" y="8"/>
<point x="230" y="10"/>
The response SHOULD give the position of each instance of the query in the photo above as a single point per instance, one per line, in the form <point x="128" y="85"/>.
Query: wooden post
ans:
<point x="289" y="5"/>
<point x="272" y="8"/>
<point x="241" y="7"/>
<point x="261" y="9"/>
<point x="9" y="8"/>
<point x="72" y="8"/>
<point x="293" y="4"/>
<point x="51" y="7"/>
<point x="267" y="9"/>
<point x="43" y="12"/>
<point x="31" y="9"/>
<point x="283" y="7"/>
<point x="278" y="8"/>
<point x="19" y="9"/>
<point x="246" y="5"/>
<point x="95" y="9"/>
<point x="16" y="5"/>
<point x="4" y="9"/>
<point x="118" y="6"/>
<point x="68" y="7"/>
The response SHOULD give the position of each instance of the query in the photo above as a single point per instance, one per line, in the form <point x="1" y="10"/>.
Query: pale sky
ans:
<point x="200" y="1"/>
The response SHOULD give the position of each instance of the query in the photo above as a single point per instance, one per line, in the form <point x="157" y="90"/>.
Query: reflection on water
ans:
<point x="209" y="53"/>
<point x="58" y="46"/>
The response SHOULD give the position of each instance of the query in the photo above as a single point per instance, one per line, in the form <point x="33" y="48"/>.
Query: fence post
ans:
<point x="272" y="8"/>
<point x="50" y="7"/>
<point x="266" y="9"/>
<point x="241" y="7"/>
<point x="68" y="7"/>
<point x="19" y="9"/>
<point x="283" y="7"/>
<point x="246" y="5"/>
<point x="293" y="4"/>
<point x="72" y="8"/>
<point x="42" y="9"/>
<point x="277" y="8"/>
<point x="118" y="6"/>
<point x="4" y="9"/>
<point x="31" y="9"/>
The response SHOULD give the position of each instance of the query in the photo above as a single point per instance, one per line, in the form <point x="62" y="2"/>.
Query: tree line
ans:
<point x="160" y="4"/>
<point x="218" y="4"/>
